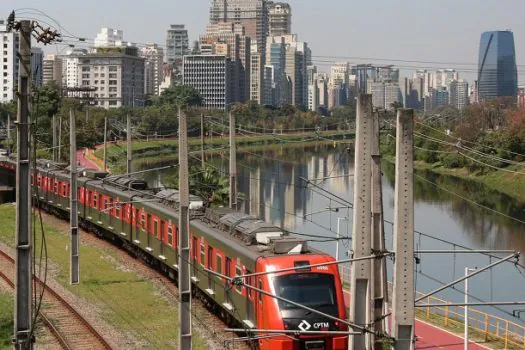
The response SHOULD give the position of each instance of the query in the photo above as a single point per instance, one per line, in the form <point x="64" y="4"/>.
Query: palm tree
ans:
<point x="209" y="185"/>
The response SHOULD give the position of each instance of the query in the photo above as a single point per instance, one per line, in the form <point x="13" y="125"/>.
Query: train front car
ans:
<point x="318" y="288"/>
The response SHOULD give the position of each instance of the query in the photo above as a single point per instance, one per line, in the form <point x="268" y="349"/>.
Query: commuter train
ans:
<point x="144" y="221"/>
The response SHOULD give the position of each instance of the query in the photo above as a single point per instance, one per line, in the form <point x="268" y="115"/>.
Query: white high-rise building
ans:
<point x="37" y="66"/>
<point x="385" y="94"/>
<point x="116" y="75"/>
<point x="109" y="37"/>
<point x="52" y="70"/>
<point x="211" y="76"/>
<point x="153" y="68"/>
<point x="177" y="44"/>
<point x="8" y="63"/>
<point x="459" y="94"/>
<point x="70" y="67"/>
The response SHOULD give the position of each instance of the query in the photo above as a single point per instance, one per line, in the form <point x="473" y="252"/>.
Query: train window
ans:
<point x="260" y="286"/>
<point x="219" y="264"/>
<point x="104" y="202"/>
<point x="203" y="253"/>
<point x="95" y="200"/>
<point x="156" y="228"/>
<point x="170" y="235"/>
<point x="194" y="248"/>
<point x="238" y="272"/>
<point x="117" y="209"/>
<point x="143" y="221"/>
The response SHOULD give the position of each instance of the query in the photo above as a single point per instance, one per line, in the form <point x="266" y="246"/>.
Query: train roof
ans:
<point x="251" y="233"/>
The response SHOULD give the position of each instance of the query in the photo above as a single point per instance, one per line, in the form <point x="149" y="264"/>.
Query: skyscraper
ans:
<point x="497" y="73"/>
<point x="9" y="67"/>
<point x="154" y="68"/>
<point x="177" y="44"/>
<point x="251" y="14"/>
<point x="279" y="18"/>
<point x="211" y="76"/>
<point x="458" y="95"/>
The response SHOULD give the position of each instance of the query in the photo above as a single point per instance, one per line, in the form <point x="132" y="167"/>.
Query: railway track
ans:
<point x="66" y="325"/>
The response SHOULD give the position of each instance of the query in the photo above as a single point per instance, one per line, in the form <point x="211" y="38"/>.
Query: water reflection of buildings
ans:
<point x="275" y="192"/>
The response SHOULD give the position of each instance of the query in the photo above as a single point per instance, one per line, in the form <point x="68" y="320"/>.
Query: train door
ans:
<point x="161" y="236"/>
<point x="194" y="248"/>
<point x="109" y="211"/>
<point x="148" y="234"/>
<point x="210" y="267"/>
<point x="227" y="272"/>
<point x="249" y="298"/>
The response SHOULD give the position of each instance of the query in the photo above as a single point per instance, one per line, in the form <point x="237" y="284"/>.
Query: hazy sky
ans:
<point x="445" y="31"/>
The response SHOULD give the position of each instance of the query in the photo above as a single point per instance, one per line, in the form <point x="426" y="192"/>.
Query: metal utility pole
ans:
<point x="184" y="246"/>
<point x="105" y="143"/>
<point x="202" y="142"/>
<point x="59" y="138"/>
<point x="23" y="286"/>
<point x="361" y="285"/>
<point x="8" y="133"/>
<point x="338" y="236"/>
<point x="465" y="309"/>
<point x="54" y="132"/>
<point x="128" y="134"/>
<point x="378" y="237"/>
<point x="403" y="293"/>
<point x="233" y="164"/>
<point x="73" y="202"/>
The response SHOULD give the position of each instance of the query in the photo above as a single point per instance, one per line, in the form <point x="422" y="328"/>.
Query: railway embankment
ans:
<point x="131" y="304"/>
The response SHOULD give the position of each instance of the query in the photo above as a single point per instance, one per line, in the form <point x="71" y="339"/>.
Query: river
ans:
<point x="272" y="187"/>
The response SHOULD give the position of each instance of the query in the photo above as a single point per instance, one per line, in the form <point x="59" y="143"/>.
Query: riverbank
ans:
<point x="159" y="152"/>
<point x="507" y="182"/>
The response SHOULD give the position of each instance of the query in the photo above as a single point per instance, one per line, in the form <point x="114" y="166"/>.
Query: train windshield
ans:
<point x="310" y="289"/>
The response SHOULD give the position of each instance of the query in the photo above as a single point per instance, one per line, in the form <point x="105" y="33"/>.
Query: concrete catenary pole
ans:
<point x="361" y="285"/>
<point x="233" y="164"/>
<point x="128" y="133"/>
<point x="203" y="165"/>
<point x="59" y="138"/>
<point x="184" y="246"/>
<point x="8" y="133"/>
<point x="54" y="133"/>
<point x="73" y="201"/>
<point x="403" y="291"/>
<point x="23" y="285"/>
<point x="105" y="143"/>
<point x="378" y="237"/>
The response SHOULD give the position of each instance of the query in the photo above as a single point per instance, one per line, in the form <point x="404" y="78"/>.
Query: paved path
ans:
<point x="84" y="162"/>
<point x="432" y="337"/>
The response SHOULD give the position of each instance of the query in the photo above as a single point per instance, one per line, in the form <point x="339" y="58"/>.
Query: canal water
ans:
<point x="273" y="187"/>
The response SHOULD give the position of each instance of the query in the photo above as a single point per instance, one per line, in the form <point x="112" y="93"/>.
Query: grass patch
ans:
<point x="6" y="320"/>
<point x="132" y="305"/>
<point x="159" y="151"/>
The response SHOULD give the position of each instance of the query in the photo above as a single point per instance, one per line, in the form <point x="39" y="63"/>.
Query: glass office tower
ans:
<point x="497" y="73"/>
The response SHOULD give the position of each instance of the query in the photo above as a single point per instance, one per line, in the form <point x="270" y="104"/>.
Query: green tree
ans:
<point x="183" y="95"/>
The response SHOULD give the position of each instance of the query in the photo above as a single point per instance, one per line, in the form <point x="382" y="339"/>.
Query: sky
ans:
<point x="444" y="31"/>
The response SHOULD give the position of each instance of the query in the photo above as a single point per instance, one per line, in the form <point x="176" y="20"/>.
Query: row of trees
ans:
<point x="159" y="115"/>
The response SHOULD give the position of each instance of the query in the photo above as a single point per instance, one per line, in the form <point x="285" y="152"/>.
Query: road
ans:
<point x="432" y="337"/>
<point x="83" y="161"/>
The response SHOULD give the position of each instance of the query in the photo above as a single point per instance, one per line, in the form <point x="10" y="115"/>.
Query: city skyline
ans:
<point x="469" y="18"/>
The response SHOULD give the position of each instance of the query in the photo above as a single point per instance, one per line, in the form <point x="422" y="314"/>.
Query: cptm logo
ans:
<point x="304" y="326"/>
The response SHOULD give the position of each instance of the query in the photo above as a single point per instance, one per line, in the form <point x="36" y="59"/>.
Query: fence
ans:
<point x="483" y="325"/>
